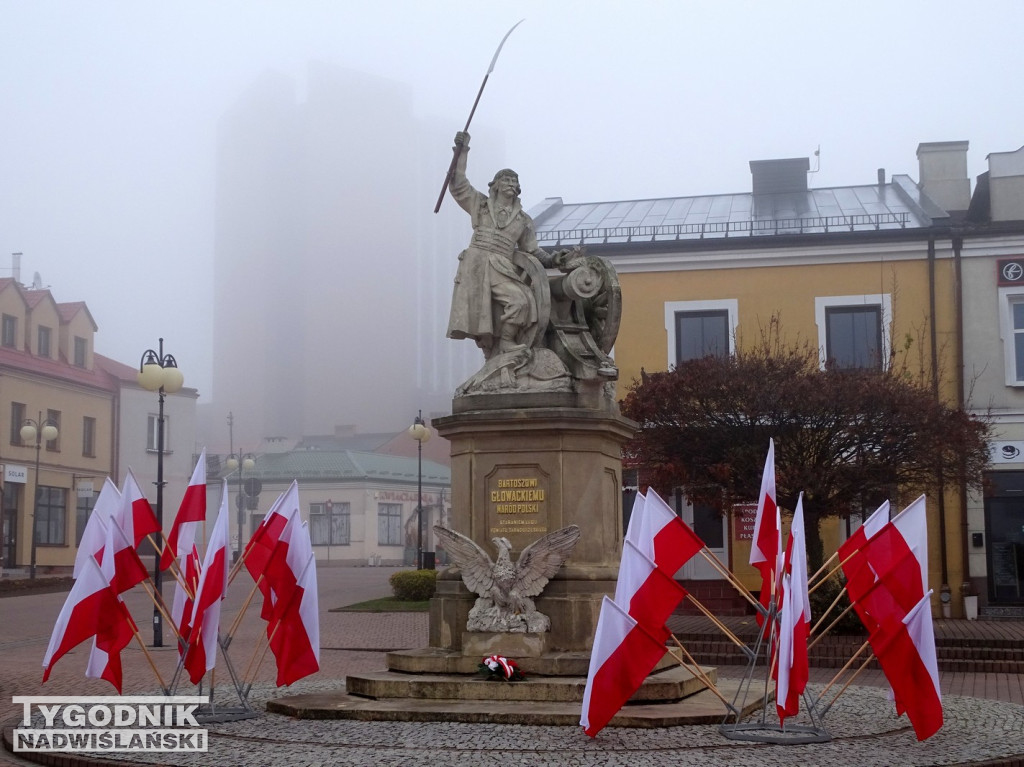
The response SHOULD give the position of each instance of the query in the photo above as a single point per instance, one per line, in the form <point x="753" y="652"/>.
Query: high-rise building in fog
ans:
<point x="333" y="275"/>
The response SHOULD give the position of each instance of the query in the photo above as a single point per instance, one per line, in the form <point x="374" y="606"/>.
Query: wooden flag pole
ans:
<point x="698" y="672"/>
<point x="149" y="657"/>
<point x="160" y="605"/>
<point x="245" y="606"/>
<point x="841" y="671"/>
<point x="721" y="626"/>
<point x="175" y="571"/>
<point x="856" y="673"/>
<point x="831" y="607"/>
<point x="823" y="567"/>
<point x="721" y="568"/>
<point x="833" y="572"/>
<point x="831" y="626"/>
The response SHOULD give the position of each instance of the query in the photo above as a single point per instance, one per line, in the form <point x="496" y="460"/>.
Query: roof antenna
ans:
<point x="37" y="281"/>
<point x="817" y="160"/>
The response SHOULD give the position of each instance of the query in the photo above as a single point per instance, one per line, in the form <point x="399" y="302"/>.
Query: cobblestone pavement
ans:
<point x="985" y="728"/>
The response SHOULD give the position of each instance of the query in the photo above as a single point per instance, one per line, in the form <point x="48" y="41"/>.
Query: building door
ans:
<point x="1004" y="524"/>
<point x="8" y="551"/>
<point x="711" y="526"/>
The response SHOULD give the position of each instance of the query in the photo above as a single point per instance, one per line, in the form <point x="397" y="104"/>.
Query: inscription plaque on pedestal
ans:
<point x="517" y="504"/>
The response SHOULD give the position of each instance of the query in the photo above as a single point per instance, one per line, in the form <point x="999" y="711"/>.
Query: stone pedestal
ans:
<point x="523" y="472"/>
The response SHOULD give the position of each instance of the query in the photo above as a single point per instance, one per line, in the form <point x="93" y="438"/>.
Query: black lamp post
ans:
<point x="38" y="431"/>
<point x="419" y="432"/>
<point x="159" y="372"/>
<point x="241" y="463"/>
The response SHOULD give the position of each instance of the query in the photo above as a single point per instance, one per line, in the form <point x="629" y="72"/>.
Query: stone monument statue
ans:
<point x="537" y="332"/>
<point x="504" y="590"/>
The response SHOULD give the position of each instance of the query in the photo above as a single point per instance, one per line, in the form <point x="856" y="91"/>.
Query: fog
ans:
<point x="228" y="175"/>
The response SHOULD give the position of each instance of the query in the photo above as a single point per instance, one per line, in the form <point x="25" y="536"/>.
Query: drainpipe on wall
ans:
<point x="958" y="295"/>
<point x="944" y="593"/>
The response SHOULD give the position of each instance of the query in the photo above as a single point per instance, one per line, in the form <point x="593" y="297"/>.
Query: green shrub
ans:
<point x="822" y="599"/>
<point x="413" y="585"/>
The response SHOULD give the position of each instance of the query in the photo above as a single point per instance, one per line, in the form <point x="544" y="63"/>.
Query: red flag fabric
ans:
<point x="126" y="569"/>
<point x="859" y="575"/>
<point x="792" y="669"/>
<point x="201" y="654"/>
<point x="105" y="654"/>
<point x="135" y="514"/>
<point x="265" y="538"/>
<point x="645" y="591"/>
<point x="191" y="515"/>
<point x="906" y="652"/>
<point x="663" y="537"/>
<point x="898" y="556"/>
<point x="294" y="629"/>
<point x="94" y="537"/>
<point x="184" y="593"/>
<point x="91" y="607"/>
<point x="764" y="548"/>
<point x="622" y="657"/>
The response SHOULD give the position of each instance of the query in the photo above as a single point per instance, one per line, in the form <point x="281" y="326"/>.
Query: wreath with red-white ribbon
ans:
<point x="498" y="668"/>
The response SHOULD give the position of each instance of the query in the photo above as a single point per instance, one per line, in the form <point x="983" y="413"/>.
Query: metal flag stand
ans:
<point x="210" y="712"/>
<point x="762" y="730"/>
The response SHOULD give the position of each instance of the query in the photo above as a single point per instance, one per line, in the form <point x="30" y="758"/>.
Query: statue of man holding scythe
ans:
<point x="492" y="303"/>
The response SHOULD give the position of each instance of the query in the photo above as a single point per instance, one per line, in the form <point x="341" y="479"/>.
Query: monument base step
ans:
<point x="670" y="685"/>
<point x="702" y="708"/>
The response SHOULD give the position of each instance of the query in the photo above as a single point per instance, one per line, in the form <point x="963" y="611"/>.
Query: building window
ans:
<point x="9" y="331"/>
<point x="17" y="421"/>
<point x="53" y="417"/>
<point x="698" y="329"/>
<point x="329" y="524"/>
<point x="702" y="334"/>
<point x="83" y="508"/>
<point x="389" y="524"/>
<point x="51" y="511"/>
<point x="43" y="344"/>
<point x="852" y="331"/>
<point x="152" y="424"/>
<point x="88" y="437"/>
<point x="81" y="348"/>
<point x="1011" y="326"/>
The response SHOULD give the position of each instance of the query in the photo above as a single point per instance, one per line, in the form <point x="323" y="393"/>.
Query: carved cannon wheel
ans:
<point x="537" y="280"/>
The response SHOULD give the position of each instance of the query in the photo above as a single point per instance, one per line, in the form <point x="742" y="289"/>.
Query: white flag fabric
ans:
<point x="201" y="655"/>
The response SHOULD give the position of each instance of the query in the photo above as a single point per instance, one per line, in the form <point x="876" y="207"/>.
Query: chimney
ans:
<point x="881" y="177"/>
<point x="943" y="170"/>
<point x="780" y="176"/>
<point x="1006" y="185"/>
<point x="16" y="267"/>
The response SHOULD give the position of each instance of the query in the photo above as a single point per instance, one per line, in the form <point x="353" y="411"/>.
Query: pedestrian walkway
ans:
<point x="984" y="712"/>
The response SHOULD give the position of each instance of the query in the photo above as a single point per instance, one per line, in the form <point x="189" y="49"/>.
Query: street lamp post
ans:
<point x="159" y="372"/>
<point x="37" y="431"/>
<point x="242" y="463"/>
<point x="419" y="432"/>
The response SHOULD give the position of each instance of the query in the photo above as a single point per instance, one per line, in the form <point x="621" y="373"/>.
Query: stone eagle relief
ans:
<point x="504" y="590"/>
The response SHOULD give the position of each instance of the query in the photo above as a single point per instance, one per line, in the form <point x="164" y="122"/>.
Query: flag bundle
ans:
<point x="629" y="640"/>
<point x="792" y="667"/>
<point x="201" y="653"/>
<point x="280" y="559"/>
<point x="765" y="547"/>
<point x="886" y="567"/>
<point x="106" y="566"/>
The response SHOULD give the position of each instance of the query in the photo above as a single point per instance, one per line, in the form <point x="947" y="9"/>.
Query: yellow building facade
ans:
<point x="48" y="377"/>
<point x="864" y="271"/>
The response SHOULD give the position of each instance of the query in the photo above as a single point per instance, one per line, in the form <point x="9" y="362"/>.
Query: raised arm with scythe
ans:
<point x="457" y="149"/>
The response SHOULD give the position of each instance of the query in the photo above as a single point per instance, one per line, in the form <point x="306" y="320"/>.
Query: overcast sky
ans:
<point x="110" y="109"/>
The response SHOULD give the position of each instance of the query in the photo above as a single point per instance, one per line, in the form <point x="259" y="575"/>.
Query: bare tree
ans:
<point x="846" y="438"/>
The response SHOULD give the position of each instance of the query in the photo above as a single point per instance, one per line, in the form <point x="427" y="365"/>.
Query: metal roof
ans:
<point x="886" y="206"/>
<point x="345" y="465"/>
